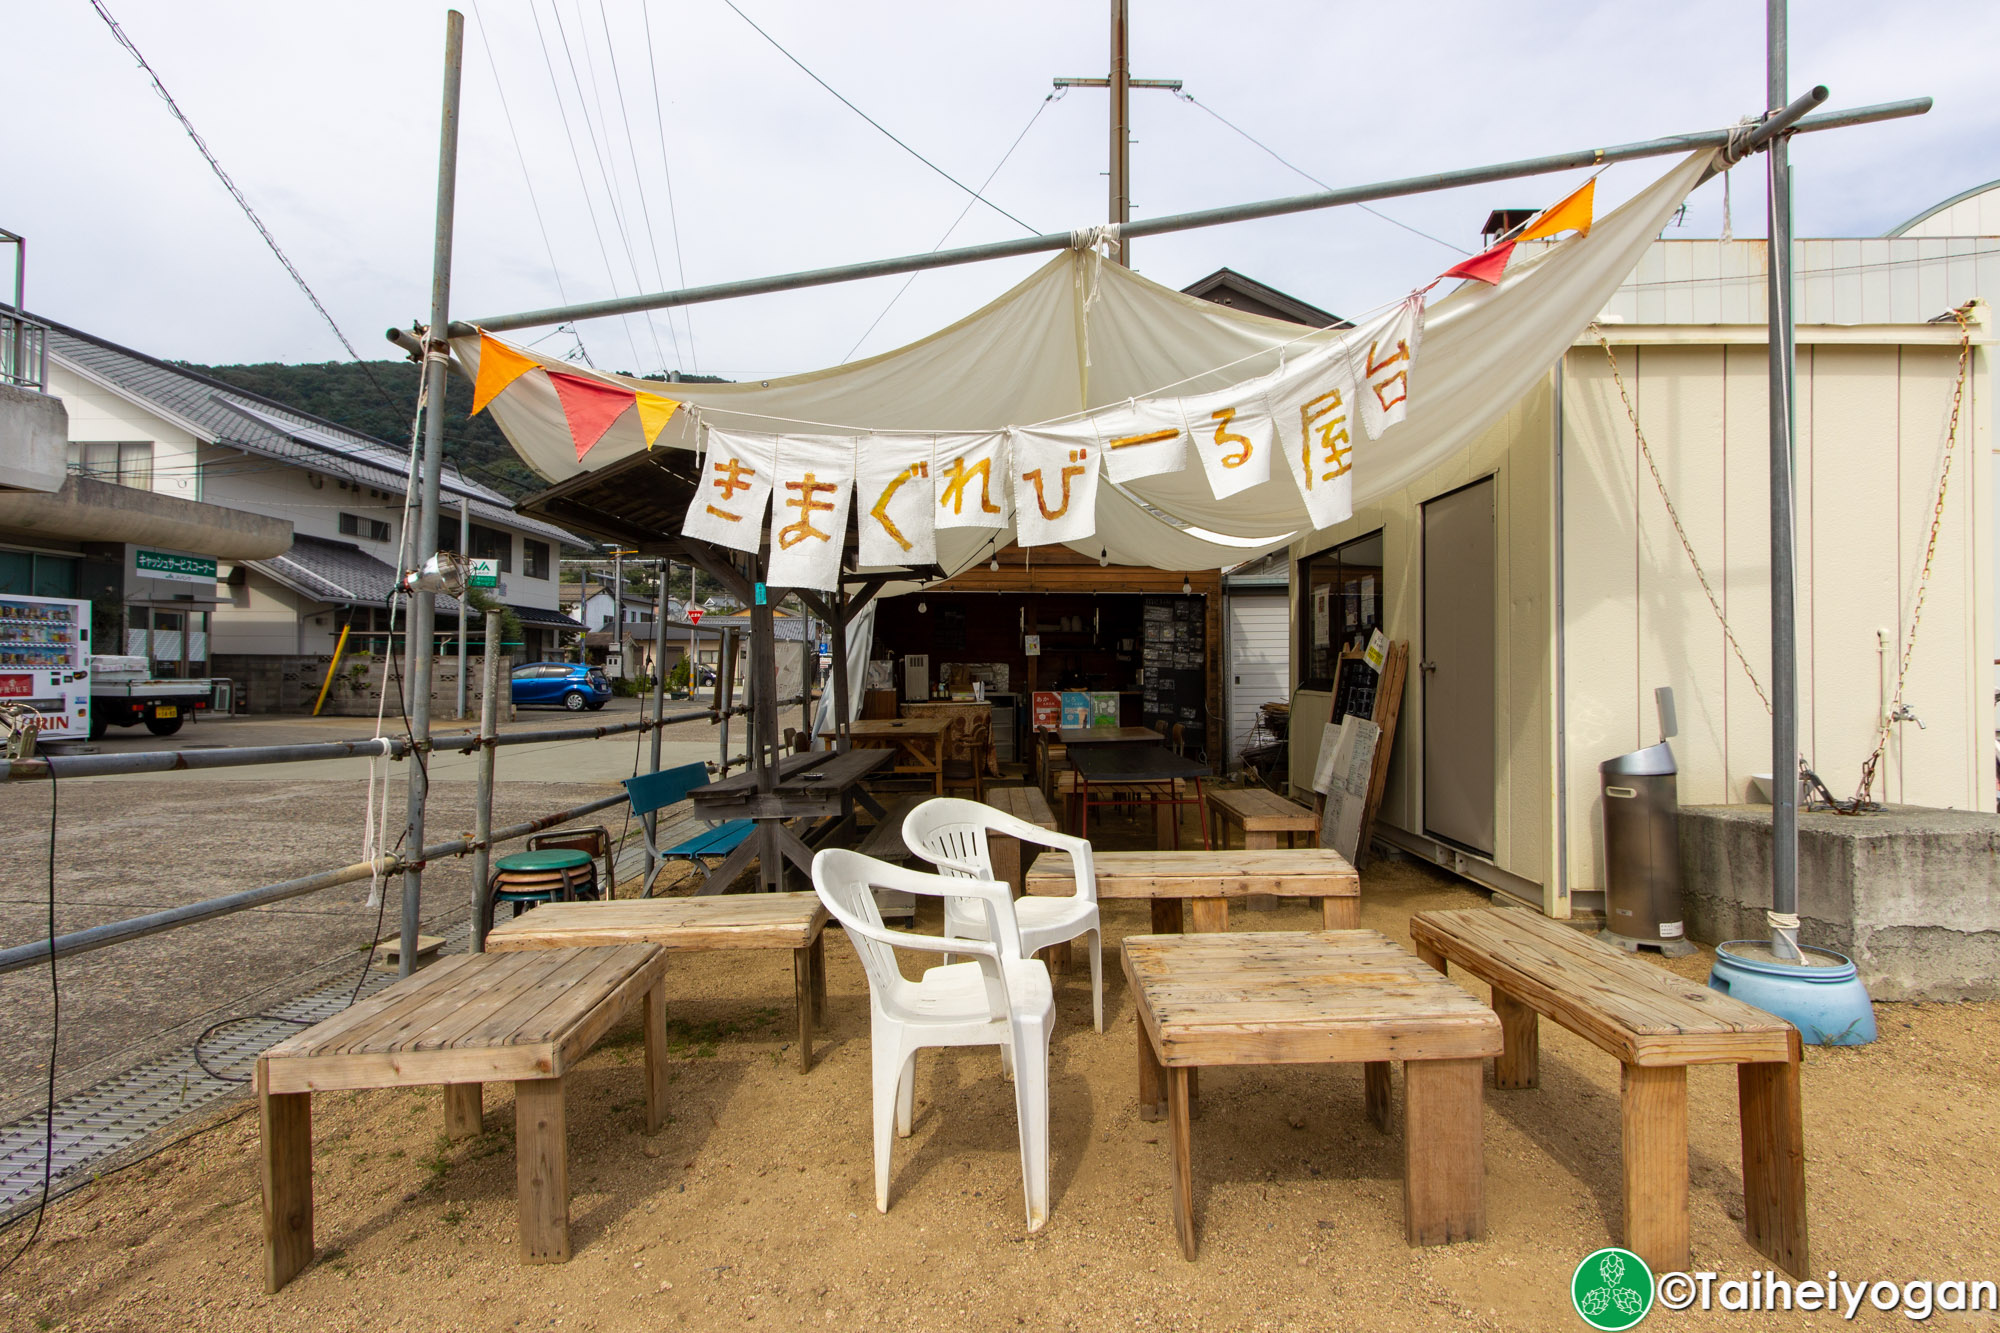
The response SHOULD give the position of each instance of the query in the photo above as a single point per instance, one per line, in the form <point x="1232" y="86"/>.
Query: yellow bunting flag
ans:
<point x="1572" y="214"/>
<point x="499" y="366"/>
<point x="654" y="413"/>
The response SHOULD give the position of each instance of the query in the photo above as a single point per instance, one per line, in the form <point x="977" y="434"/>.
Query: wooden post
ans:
<point x="1208" y="914"/>
<point x="1167" y="916"/>
<point x="841" y="719"/>
<point x="1376" y="1093"/>
<point x="1152" y="1079"/>
<point x="286" y="1168"/>
<point x="1180" y="1132"/>
<point x="1519" y="1063"/>
<point x="819" y="979"/>
<point x="1653" y="1117"/>
<point x="802" y="988"/>
<point x="1774" y="1161"/>
<point x="653" y="1014"/>
<point x="1444" y="1164"/>
<point x="1340" y="912"/>
<point x="464" y="1110"/>
<point x="541" y="1169"/>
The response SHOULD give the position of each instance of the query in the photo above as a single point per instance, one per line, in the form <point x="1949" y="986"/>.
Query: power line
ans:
<point x="520" y="156"/>
<point x="236" y="194"/>
<point x="1033" y="231"/>
<point x="638" y="180"/>
<point x="1189" y="98"/>
<point x="954" y="224"/>
<point x="673" y="217"/>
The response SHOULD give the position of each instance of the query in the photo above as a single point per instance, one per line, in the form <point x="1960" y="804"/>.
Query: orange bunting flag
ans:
<point x="654" y="413"/>
<point x="589" y="406"/>
<point x="1573" y="214"/>
<point x="499" y="366"/>
<point x="1487" y="266"/>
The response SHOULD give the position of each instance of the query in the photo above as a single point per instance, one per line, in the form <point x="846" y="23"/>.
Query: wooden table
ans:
<point x="464" y="1021"/>
<point x="726" y="921"/>
<point x="966" y="713"/>
<point x="824" y="787"/>
<point x="917" y="743"/>
<point x="1321" y="997"/>
<point x="1208" y="880"/>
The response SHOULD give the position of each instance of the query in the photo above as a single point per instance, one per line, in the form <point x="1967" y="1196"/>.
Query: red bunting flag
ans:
<point x="589" y="406"/>
<point x="1486" y="266"/>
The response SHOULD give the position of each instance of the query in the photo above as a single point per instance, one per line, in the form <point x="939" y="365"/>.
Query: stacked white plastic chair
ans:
<point x="952" y="835"/>
<point x="998" y="999"/>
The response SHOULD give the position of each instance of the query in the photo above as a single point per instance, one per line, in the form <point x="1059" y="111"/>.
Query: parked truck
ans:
<point x="125" y="693"/>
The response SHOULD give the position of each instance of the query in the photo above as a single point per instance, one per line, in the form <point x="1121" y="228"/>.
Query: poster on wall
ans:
<point x="1075" y="710"/>
<point x="1103" y="709"/>
<point x="1048" y="710"/>
<point x="1323" y="615"/>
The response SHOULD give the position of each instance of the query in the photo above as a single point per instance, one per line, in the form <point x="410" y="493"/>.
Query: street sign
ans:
<point x="694" y="615"/>
<point x="485" y="573"/>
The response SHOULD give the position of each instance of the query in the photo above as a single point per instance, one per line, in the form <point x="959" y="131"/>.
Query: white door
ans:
<point x="1457" y="667"/>
<point x="1260" y="630"/>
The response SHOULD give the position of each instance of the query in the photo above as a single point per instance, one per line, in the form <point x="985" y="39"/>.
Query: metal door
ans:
<point x="1259" y="660"/>
<point x="1457" y="667"/>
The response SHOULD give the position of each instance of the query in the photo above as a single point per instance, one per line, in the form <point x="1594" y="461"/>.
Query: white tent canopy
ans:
<point x="1081" y="334"/>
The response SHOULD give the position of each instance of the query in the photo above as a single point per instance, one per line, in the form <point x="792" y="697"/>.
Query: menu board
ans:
<point x="1175" y="660"/>
<point x="1075" y="710"/>
<point x="1048" y="710"/>
<point x="1103" y="708"/>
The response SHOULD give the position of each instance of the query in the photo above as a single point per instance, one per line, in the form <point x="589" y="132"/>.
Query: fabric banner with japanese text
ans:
<point x="810" y="490"/>
<point x="728" y="507"/>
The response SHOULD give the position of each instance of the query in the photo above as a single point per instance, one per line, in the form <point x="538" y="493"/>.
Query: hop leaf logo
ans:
<point x="1612" y="1290"/>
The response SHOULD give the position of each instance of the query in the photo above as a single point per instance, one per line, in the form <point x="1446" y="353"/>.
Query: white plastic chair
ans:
<point x="999" y="999"/>
<point x="952" y="835"/>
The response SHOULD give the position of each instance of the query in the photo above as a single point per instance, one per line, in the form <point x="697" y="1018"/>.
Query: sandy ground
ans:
<point x="755" y="1204"/>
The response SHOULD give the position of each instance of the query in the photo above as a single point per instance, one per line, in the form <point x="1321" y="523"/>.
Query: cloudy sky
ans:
<point x="576" y="119"/>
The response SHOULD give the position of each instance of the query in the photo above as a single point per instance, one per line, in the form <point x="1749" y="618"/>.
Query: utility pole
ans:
<point x="422" y="621"/>
<point x="1121" y="84"/>
<point x="618" y="608"/>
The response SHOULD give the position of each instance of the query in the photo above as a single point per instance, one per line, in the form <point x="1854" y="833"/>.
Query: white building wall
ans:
<point x="264" y="617"/>
<point x="98" y="413"/>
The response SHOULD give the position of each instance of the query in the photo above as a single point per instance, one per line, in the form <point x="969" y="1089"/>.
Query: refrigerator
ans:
<point x="45" y="662"/>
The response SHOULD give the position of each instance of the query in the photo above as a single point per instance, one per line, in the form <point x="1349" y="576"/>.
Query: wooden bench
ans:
<point x="1010" y="864"/>
<point x="722" y="921"/>
<point x="885" y="842"/>
<point x="466" y="1020"/>
<point x="1657" y="1024"/>
<point x="1205" y="882"/>
<point x="1262" y="815"/>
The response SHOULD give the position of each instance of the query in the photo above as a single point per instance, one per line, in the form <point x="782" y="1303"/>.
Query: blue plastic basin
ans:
<point x="1825" y="1001"/>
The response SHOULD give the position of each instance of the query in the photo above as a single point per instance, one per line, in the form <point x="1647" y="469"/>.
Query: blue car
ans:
<point x="571" y="684"/>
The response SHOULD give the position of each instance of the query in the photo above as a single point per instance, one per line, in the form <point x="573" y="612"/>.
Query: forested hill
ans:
<point x="341" y="392"/>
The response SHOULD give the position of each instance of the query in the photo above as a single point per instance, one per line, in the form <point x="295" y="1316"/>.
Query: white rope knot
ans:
<point x="1738" y="146"/>
<point x="1781" y="920"/>
<point x="1090" y="238"/>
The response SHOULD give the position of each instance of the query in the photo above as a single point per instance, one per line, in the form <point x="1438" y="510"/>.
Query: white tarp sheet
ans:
<point x="1081" y="335"/>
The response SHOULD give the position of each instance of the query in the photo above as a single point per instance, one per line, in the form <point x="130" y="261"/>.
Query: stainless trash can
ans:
<point x="1642" y="853"/>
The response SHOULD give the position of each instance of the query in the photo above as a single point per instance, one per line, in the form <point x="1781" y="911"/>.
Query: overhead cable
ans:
<point x="673" y="216"/>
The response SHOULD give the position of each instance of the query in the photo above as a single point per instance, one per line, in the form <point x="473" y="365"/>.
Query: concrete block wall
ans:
<point x="290" y="684"/>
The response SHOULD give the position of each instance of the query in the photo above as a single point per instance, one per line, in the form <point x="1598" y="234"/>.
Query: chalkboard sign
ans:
<point x="1174" y="655"/>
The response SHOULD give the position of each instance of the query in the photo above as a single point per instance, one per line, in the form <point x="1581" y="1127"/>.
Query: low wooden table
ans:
<point x="725" y="921"/>
<point x="1208" y="880"/>
<point x="1322" y="997"/>
<point x="917" y="742"/>
<point x="466" y="1020"/>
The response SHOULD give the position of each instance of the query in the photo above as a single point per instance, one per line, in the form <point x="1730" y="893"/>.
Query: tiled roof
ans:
<point x="330" y="571"/>
<point x="258" y="425"/>
<point x="543" y="618"/>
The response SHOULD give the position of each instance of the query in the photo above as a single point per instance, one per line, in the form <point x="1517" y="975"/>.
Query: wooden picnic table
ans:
<point x="1321" y="997"/>
<point x="1208" y="880"/>
<point x="725" y="921"/>
<point x="825" y="786"/>
<point x="917" y="743"/>
<point x="464" y="1021"/>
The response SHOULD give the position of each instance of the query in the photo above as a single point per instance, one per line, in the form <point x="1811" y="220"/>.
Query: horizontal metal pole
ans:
<point x="471" y="744"/>
<point x="176" y="761"/>
<point x="1773" y="126"/>
<point x="117" y="932"/>
<point x="1213" y="217"/>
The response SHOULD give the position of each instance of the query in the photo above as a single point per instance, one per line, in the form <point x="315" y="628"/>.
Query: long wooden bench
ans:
<point x="1657" y="1024"/>
<point x="1262" y="815"/>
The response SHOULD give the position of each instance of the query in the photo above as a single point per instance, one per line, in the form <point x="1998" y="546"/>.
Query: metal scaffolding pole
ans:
<point x="482" y="813"/>
<point x="1784" y="644"/>
<point x="437" y="367"/>
<point x="1176" y="222"/>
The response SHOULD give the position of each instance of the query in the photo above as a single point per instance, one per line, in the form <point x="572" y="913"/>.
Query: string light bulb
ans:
<point x="1187" y="587"/>
<point x="1103" y="556"/>
<point x="922" y="607"/>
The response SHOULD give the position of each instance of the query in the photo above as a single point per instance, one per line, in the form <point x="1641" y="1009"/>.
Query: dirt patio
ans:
<point x="755" y="1204"/>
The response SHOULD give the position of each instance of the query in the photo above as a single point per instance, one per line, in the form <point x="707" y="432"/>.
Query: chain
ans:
<point x="1646" y="451"/>
<point x="1930" y="555"/>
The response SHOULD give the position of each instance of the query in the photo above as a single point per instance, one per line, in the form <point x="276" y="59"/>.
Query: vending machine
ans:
<point x="45" y="662"/>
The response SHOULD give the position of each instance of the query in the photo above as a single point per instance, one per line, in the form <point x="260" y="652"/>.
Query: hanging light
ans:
<point x="1103" y="556"/>
<point x="994" y="564"/>
<point x="922" y="607"/>
<point x="1187" y="587"/>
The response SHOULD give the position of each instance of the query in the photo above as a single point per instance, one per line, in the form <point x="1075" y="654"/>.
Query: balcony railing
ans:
<point x="24" y="353"/>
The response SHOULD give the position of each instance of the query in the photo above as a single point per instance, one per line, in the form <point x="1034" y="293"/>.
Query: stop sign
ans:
<point x="694" y="615"/>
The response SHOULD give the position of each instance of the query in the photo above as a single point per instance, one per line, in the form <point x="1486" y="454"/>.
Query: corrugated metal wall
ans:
<point x="1887" y="280"/>
<point x="1260" y="637"/>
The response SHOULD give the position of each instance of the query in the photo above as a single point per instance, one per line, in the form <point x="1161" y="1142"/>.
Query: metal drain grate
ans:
<point x="117" y="1113"/>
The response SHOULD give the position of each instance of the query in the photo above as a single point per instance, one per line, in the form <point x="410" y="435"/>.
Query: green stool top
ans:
<point x="549" y="860"/>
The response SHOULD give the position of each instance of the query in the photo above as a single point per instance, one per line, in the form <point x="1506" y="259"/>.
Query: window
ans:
<point x="1341" y="599"/>
<point x="493" y="544"/>
<point x="354" y="525"/>
<point x="33" y="574"/>
<point x="126" y="462"/>
<point x="534" y="558"/>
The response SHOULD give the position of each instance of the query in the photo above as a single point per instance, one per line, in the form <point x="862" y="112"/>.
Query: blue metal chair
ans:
<point x="652" y="792"/>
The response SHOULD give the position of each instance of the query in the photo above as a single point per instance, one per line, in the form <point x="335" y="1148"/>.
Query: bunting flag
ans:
<point x="1388" y="353"/>
<point x="654" y="413"/>
<point x="1055" y="485"/>
<point x="1314" y="414"/>
<point x="970" y="474"/>
<point x="893" y="476"/>
<point x="589" y="406"/>
<point x="1487" y="266"/>
<point x="499" y="366"/>
<point x="1234" y="437"/>
<point x="1574" y="213"/>
<point x="1145" y="438"/>
<point x="810" y="491"/>
<point x="728" y="506"/>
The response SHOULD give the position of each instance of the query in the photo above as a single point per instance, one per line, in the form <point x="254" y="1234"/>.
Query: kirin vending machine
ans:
<point x="45" y="662"/>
